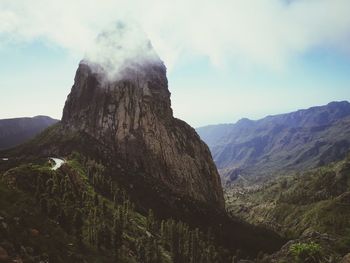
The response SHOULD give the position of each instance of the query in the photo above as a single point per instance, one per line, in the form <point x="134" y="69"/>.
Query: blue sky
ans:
<point x="226" y="95"/>
<point x="217" y="74"/>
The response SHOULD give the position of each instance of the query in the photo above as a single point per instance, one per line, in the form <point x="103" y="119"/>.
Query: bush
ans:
<point x="306" y="252"/>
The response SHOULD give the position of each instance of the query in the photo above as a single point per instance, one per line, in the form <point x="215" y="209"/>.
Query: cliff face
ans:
<point x="132" y="117"/>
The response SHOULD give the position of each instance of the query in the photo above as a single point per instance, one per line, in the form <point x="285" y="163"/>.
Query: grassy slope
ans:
<point x="318" y="200"/>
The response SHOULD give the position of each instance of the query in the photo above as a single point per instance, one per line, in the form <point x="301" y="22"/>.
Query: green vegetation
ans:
<point x="306" y="252"/>
<point x="79" y="214"/>
<point x="313" y="205"/>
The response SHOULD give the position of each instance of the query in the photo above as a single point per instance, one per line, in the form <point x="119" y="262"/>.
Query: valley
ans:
<point x="308" y="206"/>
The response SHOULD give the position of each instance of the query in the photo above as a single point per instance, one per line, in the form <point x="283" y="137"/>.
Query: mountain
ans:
<point x="132" y="117"/>
<point x="120" y="141"/>
<point x="18" y="130"/>
<point x="280" y="143"/>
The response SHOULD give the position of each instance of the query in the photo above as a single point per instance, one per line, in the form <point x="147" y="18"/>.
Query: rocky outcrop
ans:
<point x="131" y="115"/>
<point x="346" y="259"/>
<point x="3" y="255"/>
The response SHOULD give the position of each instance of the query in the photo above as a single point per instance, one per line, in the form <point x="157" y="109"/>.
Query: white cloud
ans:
<point x="257" y="32"/>
<point x="118" y="46"/>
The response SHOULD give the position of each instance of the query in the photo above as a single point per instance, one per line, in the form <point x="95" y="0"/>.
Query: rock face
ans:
<point x="346" y="259"/>
<point x="132" y="117"/>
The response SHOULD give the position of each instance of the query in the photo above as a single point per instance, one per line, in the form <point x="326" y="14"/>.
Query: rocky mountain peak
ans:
<point x="132" y="116"/>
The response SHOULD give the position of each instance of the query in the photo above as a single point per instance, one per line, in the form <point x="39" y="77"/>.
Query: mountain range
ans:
<point x="19" y="130"/>
<point x="281" y="143"/>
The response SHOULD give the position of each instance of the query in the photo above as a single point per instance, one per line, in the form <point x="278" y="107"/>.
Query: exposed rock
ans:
<point x="17" y="260"/>
<point x="3" y="255"/>
<point x="34" y="232"/>
<point x="4" y="225"/>
<point x="346" y="259"/>
<point x="132" y="117"/>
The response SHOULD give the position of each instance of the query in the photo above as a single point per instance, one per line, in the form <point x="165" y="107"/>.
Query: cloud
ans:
<point x="121" y="45"/>
<point x="267" y="33"/>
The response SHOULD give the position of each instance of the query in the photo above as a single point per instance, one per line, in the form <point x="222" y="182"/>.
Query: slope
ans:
<point x="312" y="204"/>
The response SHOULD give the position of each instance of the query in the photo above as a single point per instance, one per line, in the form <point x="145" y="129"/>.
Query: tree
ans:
<point x="194" y="246"/>
<point x="43" y="205"/>
<point x="175" y="246"/>
<point x="118" y="233"/>
<point x="78" y="225"/>
<point x="104" y="237"/>
<point x="151" y="224"/>
<point x="63" y="221"/>
<point x="96" y="200"/>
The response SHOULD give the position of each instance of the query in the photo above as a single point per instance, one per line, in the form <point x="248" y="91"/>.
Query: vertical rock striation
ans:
<point x="132" y="116"/>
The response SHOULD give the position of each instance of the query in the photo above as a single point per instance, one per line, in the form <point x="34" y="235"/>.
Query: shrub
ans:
<point x="306" y="252"/>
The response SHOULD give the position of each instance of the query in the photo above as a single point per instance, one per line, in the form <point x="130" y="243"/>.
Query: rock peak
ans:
<point x="132" y="116"/>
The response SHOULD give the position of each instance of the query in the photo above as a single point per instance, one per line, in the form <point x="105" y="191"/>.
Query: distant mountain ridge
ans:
<point x="293" y="141"/>
<point x="18" y="130"/>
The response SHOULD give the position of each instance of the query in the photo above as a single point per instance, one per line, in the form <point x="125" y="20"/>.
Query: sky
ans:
<point x="226" y="59"/>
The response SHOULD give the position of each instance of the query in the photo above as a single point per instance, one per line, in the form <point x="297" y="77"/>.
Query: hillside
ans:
<point x="312" y="205"/>
<point x="281" y="143"/>
<point x="18" y="130"/>
<point x="78" y="214"/>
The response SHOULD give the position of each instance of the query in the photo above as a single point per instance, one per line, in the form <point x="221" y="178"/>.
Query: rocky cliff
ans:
<point x="131" y="115"/>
